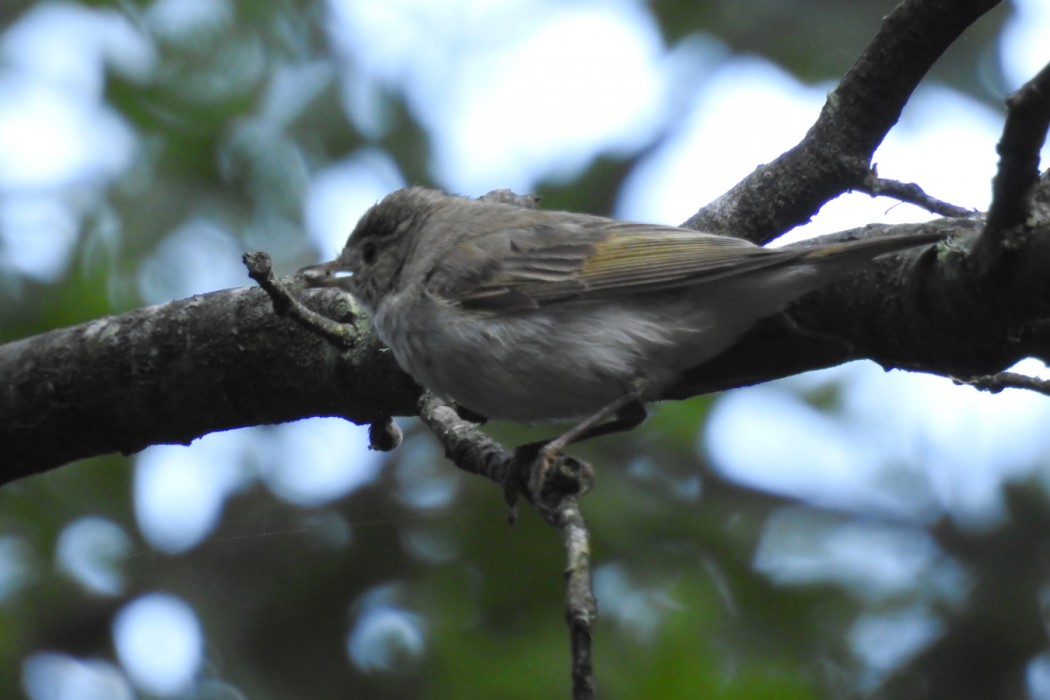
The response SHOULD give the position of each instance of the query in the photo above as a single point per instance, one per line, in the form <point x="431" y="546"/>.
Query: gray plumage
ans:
<point x="531" y="315"/>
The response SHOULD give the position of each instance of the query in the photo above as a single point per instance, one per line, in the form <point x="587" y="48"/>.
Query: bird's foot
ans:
<point x="543" y="474"/>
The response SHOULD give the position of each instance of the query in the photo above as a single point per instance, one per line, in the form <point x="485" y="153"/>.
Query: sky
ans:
<point x="473" y="85"/>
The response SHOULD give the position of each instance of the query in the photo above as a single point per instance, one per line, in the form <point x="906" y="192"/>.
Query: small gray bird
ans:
<point x="530" y="315"/>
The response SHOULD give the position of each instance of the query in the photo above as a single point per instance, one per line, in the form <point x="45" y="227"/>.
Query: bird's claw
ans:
<point x="543" y="475"/>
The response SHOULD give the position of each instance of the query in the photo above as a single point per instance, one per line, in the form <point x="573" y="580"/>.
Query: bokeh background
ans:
<point x="776" y="542"/>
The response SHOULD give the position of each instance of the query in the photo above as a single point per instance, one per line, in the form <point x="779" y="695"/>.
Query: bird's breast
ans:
<point x="530" y="366"/>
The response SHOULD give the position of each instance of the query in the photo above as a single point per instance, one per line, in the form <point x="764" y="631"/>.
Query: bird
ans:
<point x="531" y="315"/>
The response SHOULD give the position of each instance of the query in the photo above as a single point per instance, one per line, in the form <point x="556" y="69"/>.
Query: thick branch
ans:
<point x="835" y="156"/>
<point x="224" y="360"/>
<point x="1023" y="136"/>
<point x="1001" y="245"/>
<point x="171" y="373"/>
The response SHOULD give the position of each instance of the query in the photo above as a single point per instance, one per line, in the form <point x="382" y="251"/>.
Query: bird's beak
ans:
<point x="330" y="274"/>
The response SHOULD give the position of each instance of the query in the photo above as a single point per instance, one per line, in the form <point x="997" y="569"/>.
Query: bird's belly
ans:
<point x="529" y="367"/>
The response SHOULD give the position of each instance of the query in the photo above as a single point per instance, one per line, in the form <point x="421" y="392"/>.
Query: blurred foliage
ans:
<point x="279" y="588"/>
<point x="791" y="34"/>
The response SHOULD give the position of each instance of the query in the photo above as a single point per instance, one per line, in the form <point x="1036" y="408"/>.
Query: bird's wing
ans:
<point x="553" y="262"/>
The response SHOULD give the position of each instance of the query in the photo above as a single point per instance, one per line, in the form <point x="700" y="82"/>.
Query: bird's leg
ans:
<point x="629" y="412"/>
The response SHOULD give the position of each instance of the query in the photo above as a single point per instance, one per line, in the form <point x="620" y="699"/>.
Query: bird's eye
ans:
<point x="368" y="253"/>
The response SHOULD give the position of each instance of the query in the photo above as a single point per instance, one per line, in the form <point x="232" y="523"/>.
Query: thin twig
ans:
<point x="911" y="193"/>
<point x="994" y="383"/>
<point x="476" y="453"/>
<point x="383" y="435"/>
<point x="465" y="445"/>
<point x="260" y="269"/>
<point x="581" y="607"/>
<point x="504" y="196"/>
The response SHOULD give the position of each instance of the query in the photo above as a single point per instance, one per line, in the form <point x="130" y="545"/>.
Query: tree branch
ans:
<point x="260" y="269"/>
<point x="911" y="193"/>
<point x="174" y="372"/>
<point x="1023" y="136"/>
<point x="995" y="383"/>
<point x="835" y="155"/>
<point x="476" y="453"/>
<point x="1027" y="122"/>
<point x="171" y="373"/>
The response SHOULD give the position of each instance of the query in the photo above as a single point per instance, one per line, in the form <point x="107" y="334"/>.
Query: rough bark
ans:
<point x="174" y="372"/>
